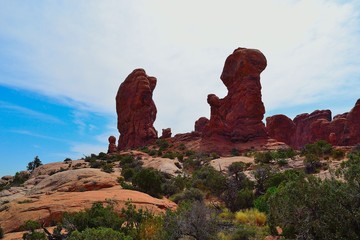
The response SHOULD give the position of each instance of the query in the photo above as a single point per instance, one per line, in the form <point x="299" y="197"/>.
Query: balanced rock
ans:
<point x="200" y="124"/>
<point x="237" y="118"/>
<point x="136" y="110"/>
<point x="112" y="145"/>
<point x="166" y="133"/>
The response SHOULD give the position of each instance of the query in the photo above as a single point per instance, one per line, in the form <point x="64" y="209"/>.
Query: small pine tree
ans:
<point x="34" y="164"/>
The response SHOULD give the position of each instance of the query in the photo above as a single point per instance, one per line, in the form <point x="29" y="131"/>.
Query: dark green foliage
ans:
<point x="102" y="156"/>
<point x="192" y="194"/>
<point x="351" y="169"/>
<point x="107" y="167"/>
<point x="128" y="173"/>
<point x="99" y="234"/>
<point x="261" y="174"/>
<point x="170" y="155"/>
<point x="314" y="209"/>
<point x="283" y="153"/>
<point x="238" y="193"/>
<point x="338" y="154"/>
<point x="320" y="149"/>
<point x="31" y="226"/>
<point x="34" y="236"/>
<point x="235" y="152"/>
<point x="263" y="157"/>
<point x="281" y="162"/>
<point x="312" y="163"/>
<point x="34" y="164"/>
<point x="20" y="178"/>
<point x="194" y="220"/>
<point x="175" y="185"/>
<point x="236" y="168"/>
<point x="96" y="216"/>
<point x="209" y="180"/>
<point x="149" y="180"/>
<point x="162" y="143"/>
<point x="133" y="219"/>
<point x="261" y="203"/>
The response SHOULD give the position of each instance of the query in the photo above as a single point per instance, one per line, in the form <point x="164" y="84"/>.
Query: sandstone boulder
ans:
<point x="112" y="145"/>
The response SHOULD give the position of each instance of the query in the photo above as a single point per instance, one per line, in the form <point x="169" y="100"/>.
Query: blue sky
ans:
<point x="61" y="63"/>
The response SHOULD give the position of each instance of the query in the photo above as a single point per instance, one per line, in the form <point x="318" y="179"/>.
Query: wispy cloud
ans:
<point x="80" y="51"/>
<point x="37" y="135"/>
<point x="30" y="113"/>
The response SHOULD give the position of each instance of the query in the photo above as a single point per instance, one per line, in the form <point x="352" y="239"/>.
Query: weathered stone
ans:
<point x="136" y="110"/>
<point x="237" y="118"/>
<point x="112" y="145"/>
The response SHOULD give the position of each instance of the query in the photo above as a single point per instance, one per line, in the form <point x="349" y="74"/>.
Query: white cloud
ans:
<point x="80" y="52"/>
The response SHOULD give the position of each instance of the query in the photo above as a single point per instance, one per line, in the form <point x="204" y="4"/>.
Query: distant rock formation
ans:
<point x="237" y="118"/>
<point x="166" y="133"/>
<point x="200" y="124"/>
<point x="136" y="110"/>
<point x="342" y="130"/>
<point x="112" y="145"/>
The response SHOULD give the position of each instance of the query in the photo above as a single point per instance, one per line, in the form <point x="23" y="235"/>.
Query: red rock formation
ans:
<point x="136" y="110"/>
<point x="200" y="124"/>
<point x="280" y="127"/>
<point x="342" y="130"/>
<point x="112" y="145"/>
<point x="166" y="133"/>
<point x="237" y="118"/>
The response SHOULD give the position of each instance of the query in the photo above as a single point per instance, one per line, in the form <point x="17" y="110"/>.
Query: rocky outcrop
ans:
<point x="136" y="110"/>
<point x="112" y="145"/>
<point x="166" y="133"/>
<point x="200" y="124"/>
<point x="237" y="118"/>
<point x="342" y="130"/>
<point x="49" y="208"/>
<point x="280" y="127"/>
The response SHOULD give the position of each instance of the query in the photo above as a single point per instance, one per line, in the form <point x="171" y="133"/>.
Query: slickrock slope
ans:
<point x="47" y="208"/>
<point x="136" y="110"/>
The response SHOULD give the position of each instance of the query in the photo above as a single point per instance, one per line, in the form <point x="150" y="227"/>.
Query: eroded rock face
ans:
<point x="112" y="145"/>
<point x="136" y="110"/>
<point x="280" y="127"/>
<point x="342" y="130"/>
<point x="237" y="118"/>
<point x="166" y="133"/>
<point x="200" y="124"/>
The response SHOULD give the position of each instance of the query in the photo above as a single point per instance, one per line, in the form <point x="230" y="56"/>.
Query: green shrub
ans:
<point x="107" y="167"/>
<point x="263" y="157"/>
<point x="98" y="234"/>
<point x="20" y="178"/>
<point x="170" y="155"/>
<point x="314" y="209"/>
<point x="337" y="154"/>
<point x="32" y="226"/>
<point x="128" y="173"/>
<point x="175" y="185"/>
<point x="162" y="143"/>
<point x="34" y="236"/>
<point x="209" y="180"/>
<point x="235" y="152"/>
<point x="96" y="216"/>
<point x="191" y="219"/>
<point x="320" y="149"/>
<point x="192" y="194"/>
<point x="312" y="163"/>
<point x="281" y="162"/>
<point x="149" y="181"/>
